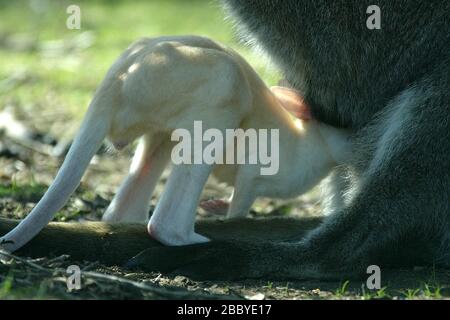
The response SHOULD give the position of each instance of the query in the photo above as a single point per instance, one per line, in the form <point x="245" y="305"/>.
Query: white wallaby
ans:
<point x="162" y="84"/>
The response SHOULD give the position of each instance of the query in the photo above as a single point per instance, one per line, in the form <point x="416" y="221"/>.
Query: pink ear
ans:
<point x="293" y="102"/>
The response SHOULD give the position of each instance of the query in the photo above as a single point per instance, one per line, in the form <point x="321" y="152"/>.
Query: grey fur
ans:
<point x="392" y="88"/>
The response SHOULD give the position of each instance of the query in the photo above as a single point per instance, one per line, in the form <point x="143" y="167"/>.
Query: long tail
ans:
<point x="89" y="139"/>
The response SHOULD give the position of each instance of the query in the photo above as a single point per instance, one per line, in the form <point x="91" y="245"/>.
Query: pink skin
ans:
<point x="215" y="206"/>
<point x="293" y="102"/>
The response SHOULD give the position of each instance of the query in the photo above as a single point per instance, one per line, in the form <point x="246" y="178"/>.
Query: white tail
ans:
<point x="89" y="139"/>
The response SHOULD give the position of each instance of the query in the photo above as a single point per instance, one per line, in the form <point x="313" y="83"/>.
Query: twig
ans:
<point x="33" y="146"/>
<point x="114" y="279"/>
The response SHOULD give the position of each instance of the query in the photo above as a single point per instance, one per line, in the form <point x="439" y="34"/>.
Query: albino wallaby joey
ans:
<point x="159" y="85"/>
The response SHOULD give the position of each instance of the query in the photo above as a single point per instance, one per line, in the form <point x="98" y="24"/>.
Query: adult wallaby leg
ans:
<point x="407" y="166"/>
<point x="132" y="201"/>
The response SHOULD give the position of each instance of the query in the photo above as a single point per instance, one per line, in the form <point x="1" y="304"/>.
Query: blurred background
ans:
<point x="48" y="74"/>
<point x="44" y="62"/>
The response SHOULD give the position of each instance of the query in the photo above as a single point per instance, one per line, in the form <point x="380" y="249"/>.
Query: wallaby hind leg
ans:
<point x="243" y="197"/>
<point x="132" y="201"/>
<point x="240" y="204"/>
<point x="172" y="223"/>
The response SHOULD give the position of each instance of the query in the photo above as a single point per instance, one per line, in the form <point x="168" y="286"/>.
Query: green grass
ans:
<point x="342" y="290"/>
<point x="60" y="68"/>
<point x="382" y="293"/>
<point x="37" y="291"/>
<point x="432" y="292"/>
<point x="31" y="192"/>
<point x="6" y="286"/>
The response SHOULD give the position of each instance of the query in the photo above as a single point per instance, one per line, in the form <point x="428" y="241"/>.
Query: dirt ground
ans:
<point x="27" y="166"/>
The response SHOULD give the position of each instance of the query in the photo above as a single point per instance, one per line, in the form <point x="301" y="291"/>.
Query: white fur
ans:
<point x="159" y="85"/>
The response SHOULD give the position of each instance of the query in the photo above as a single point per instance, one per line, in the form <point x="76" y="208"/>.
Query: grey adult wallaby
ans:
<point x="392" y="87"/>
